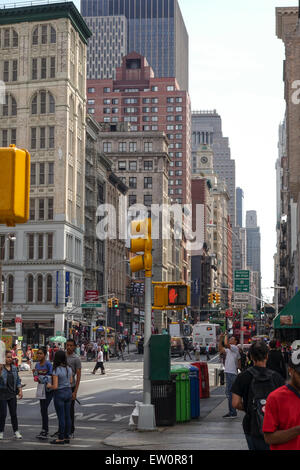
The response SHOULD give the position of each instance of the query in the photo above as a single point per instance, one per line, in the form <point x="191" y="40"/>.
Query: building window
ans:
<point x="41" y="209"/>
<point x="30" y="288"/>
<point x="52" y="67"/>
<point x="132" y="146"/>
<point x="106" y="90"/>
<point x="132" y="200"/>
<point x="148" y="183"/>
<point x="41" y="246"/>
<point x="34" y="69"/>
<point x="147" y="200"/>
<point x="40" y="288"/>
<point x="52" y="35"/>
<point x="31" y="246"/>
<point x="49" y="288"/>
<point x="148" y="165"/>
<point x="35" y="36"/>
<point x="122" y="146"/>
<point x="51" y="173"/>
<point x="43" y="67"/>
<point x="170" y="88"/>
<point x="148" y="146"/>
<point x="107" y="147"/>
<point x="133" y="166"/>
<point x="132" y="183"/>
<point x="51" y="137"/>
<point x="6" y="71"/>
<point x="122" y="166"/>
<point x="50" y="208"/>
<point x="33" y="138"/>
<point x="91" y="90"/>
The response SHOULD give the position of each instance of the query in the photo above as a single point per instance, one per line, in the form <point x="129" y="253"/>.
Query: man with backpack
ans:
<point x="250" y="391"/>
<point x="282" y="416"/>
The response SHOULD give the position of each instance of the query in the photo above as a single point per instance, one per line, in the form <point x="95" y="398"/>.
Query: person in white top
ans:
<point x="99" y="363"/>
<point x="232" y="364"/>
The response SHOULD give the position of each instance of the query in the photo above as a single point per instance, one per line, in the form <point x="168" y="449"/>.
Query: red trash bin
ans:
<point x="203" y="379"/>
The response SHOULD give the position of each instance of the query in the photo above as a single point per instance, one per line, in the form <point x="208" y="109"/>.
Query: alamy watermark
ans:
<point x="2" y="92"/>
<point x="168" y="222"/>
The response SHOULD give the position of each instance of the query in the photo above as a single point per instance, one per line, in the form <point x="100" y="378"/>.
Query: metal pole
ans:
<point x="147" y="337"/>
<point x="242" y="326"/>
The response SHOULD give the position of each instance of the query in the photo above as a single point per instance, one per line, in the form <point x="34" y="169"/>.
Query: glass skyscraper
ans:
<point x="155" y="29"/>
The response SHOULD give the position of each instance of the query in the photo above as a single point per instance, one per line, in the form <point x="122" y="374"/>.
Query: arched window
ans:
<point x="40" y="288"/>
<point x="10" y="288"/>
<point x="30" y="288"/>
<point x="43" y="102"/>
<point x="49" y="288"/>
<point x="35" y="36"/>
<point x="9" y="108"/>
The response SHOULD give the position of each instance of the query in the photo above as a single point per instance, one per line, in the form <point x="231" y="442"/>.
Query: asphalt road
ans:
<point x="106" y="403"/>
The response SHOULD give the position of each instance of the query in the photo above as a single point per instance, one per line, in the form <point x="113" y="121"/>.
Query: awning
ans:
<point x="289" y="317"/>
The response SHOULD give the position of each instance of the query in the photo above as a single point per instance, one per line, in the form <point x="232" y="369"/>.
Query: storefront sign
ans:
<point x="91" y="296"/>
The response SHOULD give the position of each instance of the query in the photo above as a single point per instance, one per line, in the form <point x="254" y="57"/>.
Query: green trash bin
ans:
<point x="183" y="393"/>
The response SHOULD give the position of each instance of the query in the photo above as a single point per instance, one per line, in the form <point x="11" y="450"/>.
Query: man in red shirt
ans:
<point x="282" y="416"/>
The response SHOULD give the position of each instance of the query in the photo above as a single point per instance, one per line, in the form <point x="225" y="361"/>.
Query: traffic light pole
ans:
<point x="147" y="337"/>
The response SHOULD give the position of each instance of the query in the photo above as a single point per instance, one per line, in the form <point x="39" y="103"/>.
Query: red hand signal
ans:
<point x="172" y="296"/>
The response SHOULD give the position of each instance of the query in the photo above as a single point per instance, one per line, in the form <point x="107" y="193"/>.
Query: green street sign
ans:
<point x="242" y="281"/>
<point x="91" y="306"/>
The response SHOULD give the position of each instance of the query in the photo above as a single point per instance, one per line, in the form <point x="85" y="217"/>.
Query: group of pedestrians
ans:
<point x="266" y="390"/>
<point x="59" y="382"/>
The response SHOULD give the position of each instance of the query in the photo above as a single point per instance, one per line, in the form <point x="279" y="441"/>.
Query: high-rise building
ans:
<point x="153" y="28"/>
<point x="43" y="64"/>
<point x="239" y="207"/>
<point x="148" y="104"/>
<point x="207" y="129"/>
<point x="253" y="245"/>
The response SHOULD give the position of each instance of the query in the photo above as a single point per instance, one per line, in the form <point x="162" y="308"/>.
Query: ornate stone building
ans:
<point x="43" y="65"/>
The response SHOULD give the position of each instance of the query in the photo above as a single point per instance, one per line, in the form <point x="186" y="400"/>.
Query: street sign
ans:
<point x="242" y="281"/>
<point x="91" y="296"/>
<point x="86" y="306"/>
<point x="239" y="305"/>
<point x="242" y="297"/>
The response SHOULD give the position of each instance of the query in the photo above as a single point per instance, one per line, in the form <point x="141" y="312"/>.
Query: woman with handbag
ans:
<point x="42" y="375"/>
<point x="10" y="387"/>
<point x="62" y="378"/>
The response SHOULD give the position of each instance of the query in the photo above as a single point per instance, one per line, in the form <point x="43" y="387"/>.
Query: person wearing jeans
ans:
<point x="232" y="364"/>
<point x="42" y="374"/>
<point x="10" y="385"/>
<point x="62" y="379"/>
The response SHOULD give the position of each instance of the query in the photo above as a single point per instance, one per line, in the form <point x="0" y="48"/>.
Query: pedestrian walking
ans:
<point x="75" y="363"/>
<point x="120" y="350"/>
<point x="197" y="352"/>
<point x="232" y="363"/>
<point x="276" y="360"/>
<point x="29" y="356"/>
<point x="99" y="363"/>
<point x="42" y="374"/>
<point x="62" y="378"/>
<point x="186" y="349"/>
<point x="282" y="416"/>
<point x="250" y="391"/>
<point x="82" y="349"/>
<point x="207" y="353"/>
<point x="10" y="387"/>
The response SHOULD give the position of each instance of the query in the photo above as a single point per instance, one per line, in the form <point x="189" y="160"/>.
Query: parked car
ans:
<point x="177" y="346"/>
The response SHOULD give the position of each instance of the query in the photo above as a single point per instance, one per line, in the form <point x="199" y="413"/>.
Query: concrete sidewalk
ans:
<point x="209" y="432"/>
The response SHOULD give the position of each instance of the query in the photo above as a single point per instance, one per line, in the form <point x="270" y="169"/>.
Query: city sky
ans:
<point x="236" y="67"/>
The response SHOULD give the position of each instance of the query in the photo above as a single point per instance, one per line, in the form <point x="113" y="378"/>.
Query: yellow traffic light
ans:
<point x="110" y="303"/>
<point x="210" y="298"/>
<point x="172" y="295"/>
<point x="14" y="185"/>
<point x="143" y="244"/>
<point x="217" y="298"/>
<point x="115" y="303"/>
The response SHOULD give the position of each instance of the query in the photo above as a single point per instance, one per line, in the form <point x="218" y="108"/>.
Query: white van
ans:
<point x="207" y="334"/>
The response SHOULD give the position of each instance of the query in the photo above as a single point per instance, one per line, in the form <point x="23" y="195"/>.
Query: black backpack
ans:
<point x="262" y="385"/>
